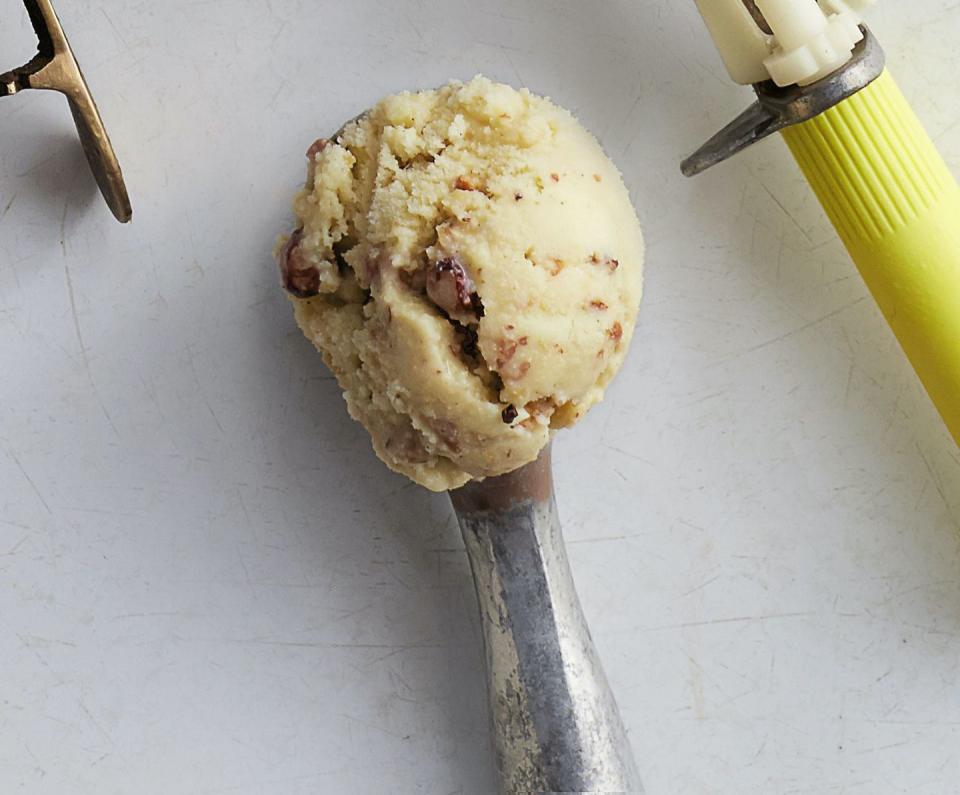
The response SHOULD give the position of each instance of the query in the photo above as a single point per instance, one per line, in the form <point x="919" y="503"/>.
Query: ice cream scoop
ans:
<point x="820" y="78"/>
<point x="55" y="68"/>
<point x="468" y="262"/>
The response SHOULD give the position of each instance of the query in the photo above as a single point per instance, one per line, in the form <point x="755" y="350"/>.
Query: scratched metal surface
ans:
<point x="208" y="584"/>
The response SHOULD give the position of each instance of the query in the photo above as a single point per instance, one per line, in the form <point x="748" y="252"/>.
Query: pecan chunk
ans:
<point x="450" y="287"/>
<point x="469" y="341"/>
<point x="299" y="277"/>
<point x="608" y="262"/>
<point x="315" y="149"/>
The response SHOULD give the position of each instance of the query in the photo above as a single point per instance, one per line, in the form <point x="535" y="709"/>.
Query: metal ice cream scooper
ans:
<point x="55" y="68"/>
<point x="556" y="725"/>
<point x="820" y="79"/>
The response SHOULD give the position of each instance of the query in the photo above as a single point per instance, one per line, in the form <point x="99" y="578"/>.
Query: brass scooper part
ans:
<point x="54" y="68"/>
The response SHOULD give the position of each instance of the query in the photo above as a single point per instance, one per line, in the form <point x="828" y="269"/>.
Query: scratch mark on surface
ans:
<point x="13" y="550"/>
<point x="40" y="658"/>
<point x="937" y="485"/>
<point x="83" y="347"/>
<point x="30" y="481"/>
<point x="928" y="723"/>
<point x="6" y="209"/>
<point x="100" y="511"/>
<point x="516" y="72"/>
<point x="702" y="585"/>
<point x="37" y="166"/>
<point x="954" y="457"/>
<point x="623" y="452"/>
<point x="846" y="392"/>
<point x="691" y="525"/>
<point x="203" y="396"/>
<point x="894" y="410"/>
<point x="413" y="27"/>
<point x="732" y="620"/>
<point x="63" y="229"/>
<point x="883" y="747"/>
<point x="921" y="495"/>
<point x="696" y="685"/>
<point x="243" y="565"/>
<point x="700" y="400"/>
<point x="95" y="722"/>
<point x="29" y="640"/>
<point x="116" y="30"/>
<point x="759" y="751"/>
<point x="603" y="539"/>
<point x="243" y="507"/>
<point x="785" y="211"/>
<point x="393" y="647"/>
<point x="805" y="327"/>
<point x="947" y="130"/>
<point x="373" y="726"/>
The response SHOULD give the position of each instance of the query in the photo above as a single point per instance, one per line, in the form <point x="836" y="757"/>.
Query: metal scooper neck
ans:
<point x="777" y="109"/>
<point x="555" y="722"/>
<point x="802" y="58"/>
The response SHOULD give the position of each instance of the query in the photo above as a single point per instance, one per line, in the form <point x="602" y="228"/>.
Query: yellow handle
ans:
<point x="896" y="206"/>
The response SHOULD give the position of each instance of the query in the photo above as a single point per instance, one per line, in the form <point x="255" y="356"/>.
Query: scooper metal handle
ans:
<point x="556" y="724"/>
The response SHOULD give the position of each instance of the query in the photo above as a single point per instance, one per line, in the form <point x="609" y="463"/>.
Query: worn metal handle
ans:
<point x="55" y="68"/>
<point x="555" y="722"/>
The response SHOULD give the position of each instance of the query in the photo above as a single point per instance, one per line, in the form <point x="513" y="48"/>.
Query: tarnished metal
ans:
<point x="555" y="722"/>
<point x="758" y="16"/>
<point x="54" y="68"/>
<point x="778" y="108"/>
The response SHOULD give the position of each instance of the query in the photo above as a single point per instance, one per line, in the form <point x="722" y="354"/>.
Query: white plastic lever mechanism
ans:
<point x="791" y="42"/>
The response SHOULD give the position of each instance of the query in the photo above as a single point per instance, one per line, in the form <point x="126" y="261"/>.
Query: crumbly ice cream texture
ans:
<point x="469" y="264"/>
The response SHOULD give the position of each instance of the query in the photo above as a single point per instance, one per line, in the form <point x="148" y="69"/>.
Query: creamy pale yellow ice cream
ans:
<point x="468" y="262"/>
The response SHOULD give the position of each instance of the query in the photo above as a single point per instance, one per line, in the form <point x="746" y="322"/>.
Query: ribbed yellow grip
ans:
<point x="896" y="206"/>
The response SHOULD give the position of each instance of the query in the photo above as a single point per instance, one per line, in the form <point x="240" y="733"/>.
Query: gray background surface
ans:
<point x="208" y="584"/>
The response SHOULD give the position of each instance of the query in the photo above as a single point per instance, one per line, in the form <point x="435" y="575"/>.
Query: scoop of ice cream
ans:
<point x="468" y="262"/>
